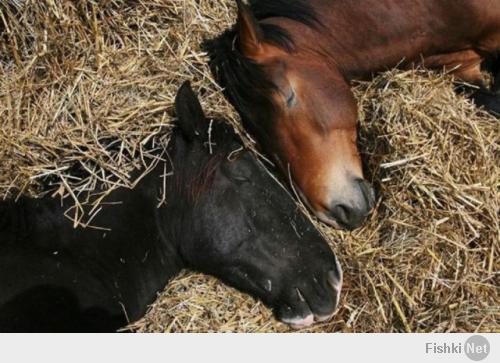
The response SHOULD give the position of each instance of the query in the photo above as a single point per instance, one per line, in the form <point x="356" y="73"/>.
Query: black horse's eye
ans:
<point x="236" y="172"/>
<point x="240" y="179"/>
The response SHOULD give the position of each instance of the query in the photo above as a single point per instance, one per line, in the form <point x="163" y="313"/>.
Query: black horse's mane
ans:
<point x="215" y="146"/>
<point x="245" y="82"/>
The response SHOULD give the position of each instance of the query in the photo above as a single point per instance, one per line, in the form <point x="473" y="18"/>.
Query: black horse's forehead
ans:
<point x="224" y="150"/>
<point x="221" y="134"/>
<point x="241" y="163"/>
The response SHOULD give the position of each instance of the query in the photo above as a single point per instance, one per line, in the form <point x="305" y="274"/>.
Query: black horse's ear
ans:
<point x="250" y="35"/>
<point x="190" y="115"/>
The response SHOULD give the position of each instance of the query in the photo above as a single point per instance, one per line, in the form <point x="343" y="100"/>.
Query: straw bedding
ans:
<point x="85" y="86"/>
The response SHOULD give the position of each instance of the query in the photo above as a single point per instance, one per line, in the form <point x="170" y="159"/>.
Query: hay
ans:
<point x="87" y="85"/>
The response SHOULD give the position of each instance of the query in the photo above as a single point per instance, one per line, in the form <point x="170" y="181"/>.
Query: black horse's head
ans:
<point x="239" y="224"/>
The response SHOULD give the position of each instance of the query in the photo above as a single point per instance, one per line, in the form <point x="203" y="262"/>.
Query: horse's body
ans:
<point x="388" y="33"/>
<point x="288" y="64"/>
<point x="54" y="277"/>
<point x="223" y="215"/>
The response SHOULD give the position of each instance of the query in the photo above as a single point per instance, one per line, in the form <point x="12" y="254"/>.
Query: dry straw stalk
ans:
<point x="87" y="85"/>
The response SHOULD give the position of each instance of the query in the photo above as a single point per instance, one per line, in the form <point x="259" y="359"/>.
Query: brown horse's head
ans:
<point x="300" y="109"/>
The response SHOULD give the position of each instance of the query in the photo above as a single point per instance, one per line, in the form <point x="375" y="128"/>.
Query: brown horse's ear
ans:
<point x="249" y="31"/>
<point x="191" y="118"/>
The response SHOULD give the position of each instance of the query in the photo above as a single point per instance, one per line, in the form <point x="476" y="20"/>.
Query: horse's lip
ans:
<point x="331" y="221"/>
<point x="320" y="215"/>
<point x="325" y="218"/>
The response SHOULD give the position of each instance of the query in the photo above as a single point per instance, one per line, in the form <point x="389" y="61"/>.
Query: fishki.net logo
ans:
<point x="476" y="348"/>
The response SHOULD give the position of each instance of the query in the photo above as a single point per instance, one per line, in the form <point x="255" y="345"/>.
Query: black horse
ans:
<point x="224" y="215"/>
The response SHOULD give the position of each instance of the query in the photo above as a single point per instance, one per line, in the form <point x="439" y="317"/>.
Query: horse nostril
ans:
<point x="348" y="217"/>
<point x="341" y="213"/>
<point x="332" y="278"/>
<point x="335" y="280"/>
<point x="355" y="205"/>
<point x="368" y="193"/>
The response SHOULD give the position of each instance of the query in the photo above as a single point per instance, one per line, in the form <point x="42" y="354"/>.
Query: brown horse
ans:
<point x="288" y="64"/>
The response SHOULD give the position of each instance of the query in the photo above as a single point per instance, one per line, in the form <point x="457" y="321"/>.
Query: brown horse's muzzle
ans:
<point x="350" y="209"/>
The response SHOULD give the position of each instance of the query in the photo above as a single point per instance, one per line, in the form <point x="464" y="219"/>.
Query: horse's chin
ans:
<point x="320" y="215"/>
<point x="329" y="221"/>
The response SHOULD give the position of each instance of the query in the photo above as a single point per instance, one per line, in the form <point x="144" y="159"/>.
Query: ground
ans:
<point x="76" y="74"/>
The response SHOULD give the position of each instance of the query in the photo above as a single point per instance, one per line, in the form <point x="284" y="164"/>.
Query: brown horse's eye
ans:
<point x="291" y="99"/>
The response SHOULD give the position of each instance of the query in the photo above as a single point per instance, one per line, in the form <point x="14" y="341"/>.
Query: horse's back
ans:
<point x="40" y="296"/>
<point x="46" y="285"/>
<point x="373" y="35"/>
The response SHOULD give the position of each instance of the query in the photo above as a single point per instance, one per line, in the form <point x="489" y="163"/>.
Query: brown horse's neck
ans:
<point x="374" y="35"/>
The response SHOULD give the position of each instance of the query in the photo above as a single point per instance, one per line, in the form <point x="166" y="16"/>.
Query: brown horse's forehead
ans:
<point x="292" y="63"/>
<point x="320" y="99"/>
<point x="310" y="73"/>
<point x="323" y="99"/>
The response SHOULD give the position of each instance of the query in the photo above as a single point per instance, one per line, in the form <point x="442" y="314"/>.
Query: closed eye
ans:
<point x="291" y="99"/>
<point x="240" y="179"/>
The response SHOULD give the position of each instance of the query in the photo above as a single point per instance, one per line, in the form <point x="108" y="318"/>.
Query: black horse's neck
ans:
<point x="119" y="266"/>
<point x="4" y="215"/>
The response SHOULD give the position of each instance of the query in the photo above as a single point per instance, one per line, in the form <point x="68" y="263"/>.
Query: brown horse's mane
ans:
<point x="246" y="84"/>
<point x="298" y="10"/>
